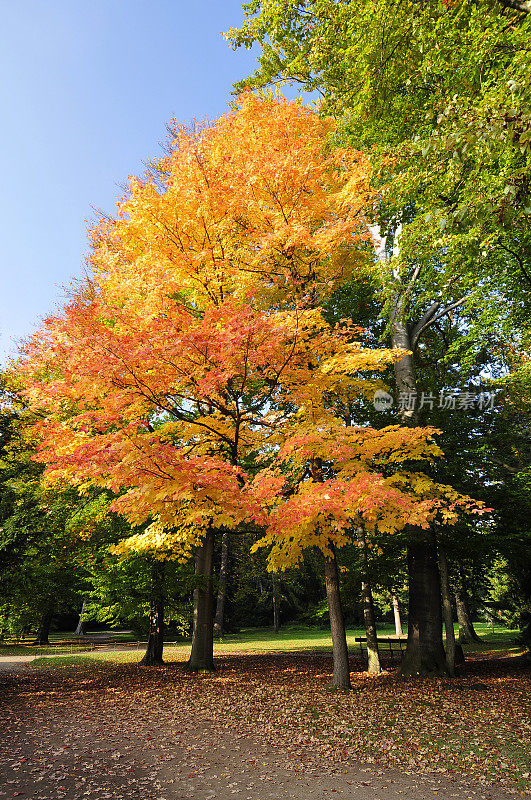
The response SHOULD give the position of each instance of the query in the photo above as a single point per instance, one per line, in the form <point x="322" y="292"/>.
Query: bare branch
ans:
<point x="524" y="6"/>
<point x="422" y="326"/>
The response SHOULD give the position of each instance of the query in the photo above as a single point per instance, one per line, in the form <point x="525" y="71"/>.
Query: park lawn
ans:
<point x="59" y="643"/>
<point x="294" y="638"/>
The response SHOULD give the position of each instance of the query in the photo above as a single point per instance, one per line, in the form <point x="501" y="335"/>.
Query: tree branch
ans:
<point x="519" y="260"/>
<point x="430" y="317"/>
<point x="524" y="6"/>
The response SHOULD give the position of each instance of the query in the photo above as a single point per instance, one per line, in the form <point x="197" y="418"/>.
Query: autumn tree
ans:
<point x="164" y="356"/>
<point x="198" y="345"/>
<point x="329" y="480"/>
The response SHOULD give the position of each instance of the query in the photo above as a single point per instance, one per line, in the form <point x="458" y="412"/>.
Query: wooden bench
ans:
<point x="383" y="640"/>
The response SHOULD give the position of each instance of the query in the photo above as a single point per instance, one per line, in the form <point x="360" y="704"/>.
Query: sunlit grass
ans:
<point x="263" y="640"/>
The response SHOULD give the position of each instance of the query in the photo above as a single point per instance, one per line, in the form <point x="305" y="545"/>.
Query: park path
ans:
<point x="13" y="663"/>
<point x="74" y="741"/>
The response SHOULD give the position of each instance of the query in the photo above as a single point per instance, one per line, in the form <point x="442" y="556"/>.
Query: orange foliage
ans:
<point x="196" y="349"/>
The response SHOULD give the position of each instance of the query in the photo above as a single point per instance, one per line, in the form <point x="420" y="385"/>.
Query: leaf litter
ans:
<point x="264" y="726"/>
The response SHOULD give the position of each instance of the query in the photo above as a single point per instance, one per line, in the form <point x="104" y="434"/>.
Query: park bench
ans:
<point x="382" y="641"/>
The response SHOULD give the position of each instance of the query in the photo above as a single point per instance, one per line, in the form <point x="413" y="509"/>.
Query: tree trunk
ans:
<point x="202" y="655"/>
<point x="425" y="652"/>
<point x="466" y="628"/>
<point x="396" y="612"/>
<point x="82" y="624"/>
<point x="341" y="677"/>
<point x="447" y="611"/>
<point x="373" y="656"/>
<point x="276" y="606"/>
<point x="43" y="631"/>
<point x="219" y="622"/>
<point x="155" y="645"/>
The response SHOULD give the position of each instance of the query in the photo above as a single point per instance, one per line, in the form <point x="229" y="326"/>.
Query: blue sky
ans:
<point x="85" y="93"/>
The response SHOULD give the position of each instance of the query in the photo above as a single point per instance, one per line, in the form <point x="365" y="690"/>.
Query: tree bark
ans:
<point x="43" y="631"/>
<point x="466" y="628"/>
<point x="276" y="610"/>
<point x="341" y="676"/>
<point x="424" y="652"/>
<point x="219" y="622"/>
<point x="373" y="656"/>
<point x="202" y="655"/>
<point x="155" y="645"/>
<point x="396" y="612"/>
<point x="82" y="624"/>
<point x="447" y="611"/>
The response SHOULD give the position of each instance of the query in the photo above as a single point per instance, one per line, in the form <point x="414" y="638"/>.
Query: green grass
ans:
<point x="263" y="640"/>
<point x="66" y="662"/>
<point x="59" y="643"/>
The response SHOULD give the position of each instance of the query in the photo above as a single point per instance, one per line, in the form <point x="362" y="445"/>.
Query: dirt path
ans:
<point x="80" y="736"/>
<point x="14" y="663"/>
<point x="76" y="757"/>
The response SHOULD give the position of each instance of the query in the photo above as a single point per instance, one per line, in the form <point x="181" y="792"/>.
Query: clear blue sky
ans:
<point x="86" y="90"/>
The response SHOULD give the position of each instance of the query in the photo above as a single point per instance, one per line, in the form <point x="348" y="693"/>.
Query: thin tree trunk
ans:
<point x="219" y="622"/>
<point x="341" y="677"/>
<point x="155" y="645"/>
<point x="396" y="612"/>
<point x="447" y="611"/>
<point x="424" y="652"/>
<point x="43" y="631"/>
<point x="202" y="655"/>
<point x="373" y="656"/>
<point x="276" y="614"/>
<point x="82" y="624"/>
<point x="466" y="628"/>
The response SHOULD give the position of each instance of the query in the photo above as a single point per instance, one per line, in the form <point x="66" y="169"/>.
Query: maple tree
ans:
<point x="198" y="348"/>
<point x="157" y="373"/>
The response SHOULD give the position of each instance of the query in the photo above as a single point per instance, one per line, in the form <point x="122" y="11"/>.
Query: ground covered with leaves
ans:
<point x="263" y="726"/>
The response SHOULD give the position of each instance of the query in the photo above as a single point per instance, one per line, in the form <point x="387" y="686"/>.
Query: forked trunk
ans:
<point x="219" y="622"/>
<point x="425" y="652"/>
<point x="466" y="628"/>
<point x="447" y="611"/>
<point x="373" y="656"/>
<point x="341" y="676"/>
<point x="43" y="631"/>
<point x="202" y="655"/>
<point x="155" y="645"/>
<point x="396" y="612"/>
